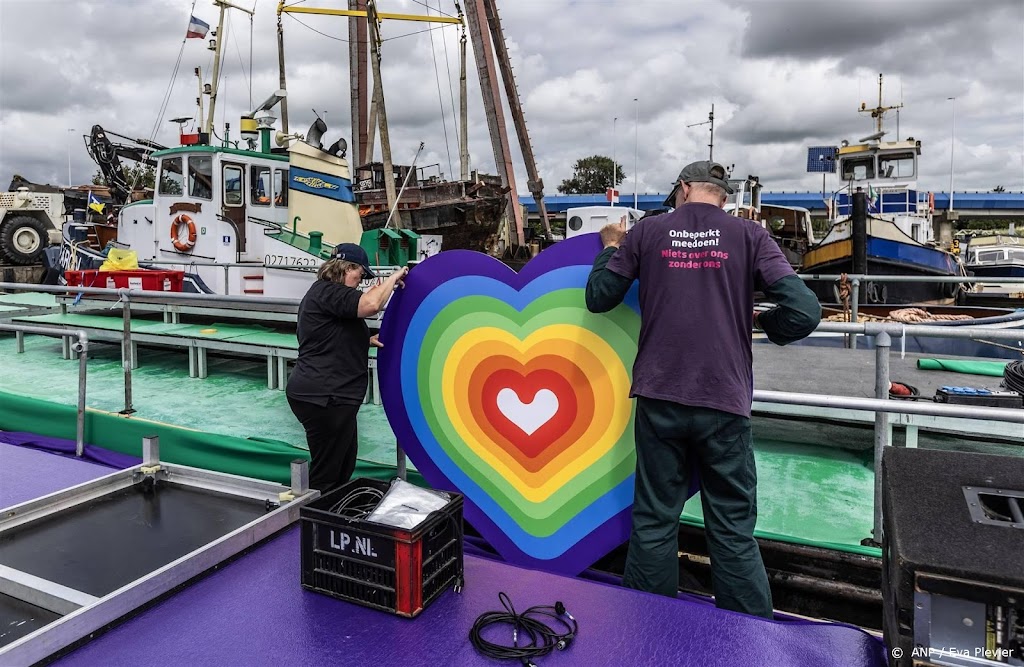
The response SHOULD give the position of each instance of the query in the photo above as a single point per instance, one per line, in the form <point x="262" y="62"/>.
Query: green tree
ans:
<point x="591" y="175"/>
<point x="142" y="175"/>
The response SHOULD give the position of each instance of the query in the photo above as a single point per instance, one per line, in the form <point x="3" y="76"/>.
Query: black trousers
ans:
<point x="333" y="440"/>
<point x="669" y="438"/>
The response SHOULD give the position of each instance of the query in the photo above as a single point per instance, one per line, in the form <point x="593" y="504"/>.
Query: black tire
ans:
<point x="23" y="239"/>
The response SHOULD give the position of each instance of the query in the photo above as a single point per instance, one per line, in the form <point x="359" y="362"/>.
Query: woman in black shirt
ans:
<point x="329" y="381"/>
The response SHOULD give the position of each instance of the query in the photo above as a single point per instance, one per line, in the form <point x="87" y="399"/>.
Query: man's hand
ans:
<point x="375" y="341"/>
<point x="612" y="234"/>
<point x="399" y="276"/>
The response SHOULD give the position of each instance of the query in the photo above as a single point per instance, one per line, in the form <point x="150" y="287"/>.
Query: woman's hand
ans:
<point x="375" y="341"/>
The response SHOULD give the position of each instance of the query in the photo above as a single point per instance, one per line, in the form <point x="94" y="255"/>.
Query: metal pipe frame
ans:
<point x="81" y="348"/>
<point x="882" y="430"/>
<point x="1012" y="415"/>
<point x="909" y="279"/>
<point x="86" y="614"/>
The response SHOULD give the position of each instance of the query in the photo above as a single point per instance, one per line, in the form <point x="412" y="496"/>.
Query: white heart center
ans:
<point x="528" y="416"/>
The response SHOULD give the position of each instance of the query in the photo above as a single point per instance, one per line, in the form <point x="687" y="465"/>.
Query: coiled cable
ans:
<point x="532" y="631"/>
<point x="1013" y="376"/>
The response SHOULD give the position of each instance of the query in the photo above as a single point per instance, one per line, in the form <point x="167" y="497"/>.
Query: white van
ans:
<point x="586" y="219"/>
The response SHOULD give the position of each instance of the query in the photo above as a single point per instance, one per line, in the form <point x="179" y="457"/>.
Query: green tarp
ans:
<point x="991" y="368"/>
<point x="261" y="459"/>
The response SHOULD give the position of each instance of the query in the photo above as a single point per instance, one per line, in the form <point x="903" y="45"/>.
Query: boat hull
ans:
<point x="884" y="257"/>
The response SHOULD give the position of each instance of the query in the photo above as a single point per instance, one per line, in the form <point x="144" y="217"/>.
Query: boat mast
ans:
<point x="280" y="67"/>
<point x="880" y="110"/>
<point x="382" y="115"/>
<point x="223" y="4"/>
<point x="475" y="9"/>
<point x="534" y="181"/>
<point x="357" y="36"/>
<point x="463" y="111"/>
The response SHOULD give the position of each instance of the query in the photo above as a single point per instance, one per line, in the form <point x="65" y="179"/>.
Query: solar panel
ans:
<point x="822" y="159"/>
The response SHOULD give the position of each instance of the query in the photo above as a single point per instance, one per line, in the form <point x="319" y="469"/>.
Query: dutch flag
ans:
<point x="197" y="28"/>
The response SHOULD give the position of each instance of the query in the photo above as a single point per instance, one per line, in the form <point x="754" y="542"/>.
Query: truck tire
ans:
<point x="23" y="239"/>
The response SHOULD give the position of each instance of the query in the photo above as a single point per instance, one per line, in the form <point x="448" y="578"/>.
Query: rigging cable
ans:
<point x="410" y="34"/>
<point x="309" y="27"/>
<point x="241" y="63"/>
<point x="440" y="99"/>
<point x="163" y="103"/>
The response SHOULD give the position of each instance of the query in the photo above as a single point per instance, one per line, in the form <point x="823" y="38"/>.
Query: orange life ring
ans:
<point x="183" y="246"/>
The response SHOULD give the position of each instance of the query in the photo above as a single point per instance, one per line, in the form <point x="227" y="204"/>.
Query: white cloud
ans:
<point x="782" y="74"/>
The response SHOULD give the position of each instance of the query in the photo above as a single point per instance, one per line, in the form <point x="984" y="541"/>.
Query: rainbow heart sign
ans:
<point x="503" y="387"/>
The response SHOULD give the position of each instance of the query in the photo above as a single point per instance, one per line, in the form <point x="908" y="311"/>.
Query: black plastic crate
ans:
<point x="392" y="569"/>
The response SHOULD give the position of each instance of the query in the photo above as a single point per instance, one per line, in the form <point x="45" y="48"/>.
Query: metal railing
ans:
<point x="881" y="405"/>
<point x="81" y="348"/>
<point x="227" y="266"/>
<point x="856" y="279"/>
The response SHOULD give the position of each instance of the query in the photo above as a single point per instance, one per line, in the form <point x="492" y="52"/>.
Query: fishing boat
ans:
<point x="466" y="214"/>
<point x="899" y="237"/>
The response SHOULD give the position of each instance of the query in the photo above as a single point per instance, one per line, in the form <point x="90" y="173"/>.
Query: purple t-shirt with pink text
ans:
<point x="698" y="268"/>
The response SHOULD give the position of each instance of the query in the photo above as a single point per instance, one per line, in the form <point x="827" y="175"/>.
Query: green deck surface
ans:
<point x="809" y="495"/>
<point x="29" y="299"/>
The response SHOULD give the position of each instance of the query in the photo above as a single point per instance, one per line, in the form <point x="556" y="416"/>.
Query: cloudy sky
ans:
<point x="782" y="75"/>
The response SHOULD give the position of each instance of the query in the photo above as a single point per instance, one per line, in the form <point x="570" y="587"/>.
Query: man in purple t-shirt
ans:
<point x="698" y="269"/>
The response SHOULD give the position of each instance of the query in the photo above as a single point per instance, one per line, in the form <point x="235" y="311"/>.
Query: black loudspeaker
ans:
<point x="953" y="558"/>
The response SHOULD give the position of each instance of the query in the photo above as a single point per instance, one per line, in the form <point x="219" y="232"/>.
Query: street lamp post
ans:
<point x="614" y="168"/>
<point x="952" y="142"/>
<point x="636" y="144"/>
<point x="70" y="130"/>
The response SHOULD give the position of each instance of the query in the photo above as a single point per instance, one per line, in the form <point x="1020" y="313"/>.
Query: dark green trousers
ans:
<point x="670" y="438"/>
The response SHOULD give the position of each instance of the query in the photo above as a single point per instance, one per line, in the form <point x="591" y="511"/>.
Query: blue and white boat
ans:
<point x="900" y="236"/>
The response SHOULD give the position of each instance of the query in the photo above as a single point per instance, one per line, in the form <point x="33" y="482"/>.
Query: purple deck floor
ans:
<point x="254" y="612"/>
<point x="28" y="473"/>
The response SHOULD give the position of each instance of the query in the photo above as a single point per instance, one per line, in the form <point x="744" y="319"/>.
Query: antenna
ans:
<point x="878" y="112"/>
<point x="711" y="121"/>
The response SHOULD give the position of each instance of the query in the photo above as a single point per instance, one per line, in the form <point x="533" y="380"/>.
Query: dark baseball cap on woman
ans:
<point x="353" y="252"/>
<point x="700" y="172"/>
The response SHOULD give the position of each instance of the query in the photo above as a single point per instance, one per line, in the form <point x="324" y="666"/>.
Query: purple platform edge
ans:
<point x="254" y="612"/>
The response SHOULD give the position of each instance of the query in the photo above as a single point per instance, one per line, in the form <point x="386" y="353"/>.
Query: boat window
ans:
<point x="232" y="185"/>
<point x="171" y="180"/>
<point x="280" y="187"/>
<point x="200" y="176"/>
<point x="259" y="182"/>
<point x="575" y="223"/>
<point x="990" y="255"/>
<point x="1017" y="255"/>
<point x="896" y="165"/>
<point x="858" y="168"/>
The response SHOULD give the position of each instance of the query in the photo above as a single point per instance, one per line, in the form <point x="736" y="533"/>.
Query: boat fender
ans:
<point x="931" y="202"/>
<point x="189" y="243"/>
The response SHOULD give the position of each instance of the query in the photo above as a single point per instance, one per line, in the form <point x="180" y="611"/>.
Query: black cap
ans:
<point x="353" y="252"/>
<point x="704" y="171"/>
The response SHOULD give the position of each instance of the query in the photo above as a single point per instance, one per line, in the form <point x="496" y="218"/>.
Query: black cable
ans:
<point x="532" y="631"/>
<point x="349" y="508"/>
<point x="1013" y="376"/>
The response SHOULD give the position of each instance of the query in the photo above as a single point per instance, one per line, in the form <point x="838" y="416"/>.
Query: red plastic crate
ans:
<point x="146" y="279"/>
<point x="383" y="567"/>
